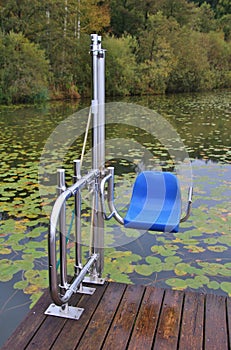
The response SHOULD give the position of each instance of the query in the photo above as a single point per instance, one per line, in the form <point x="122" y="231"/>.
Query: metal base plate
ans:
<point x="71" y="312"/>
<point x="86" y="290"/>
<point x="94" y="280"/>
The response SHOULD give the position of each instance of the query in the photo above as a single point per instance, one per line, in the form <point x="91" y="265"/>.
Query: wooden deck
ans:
<point x="120" y="316"/>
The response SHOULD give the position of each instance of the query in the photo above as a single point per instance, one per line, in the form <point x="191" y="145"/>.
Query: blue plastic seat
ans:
<point x="156" y="203"/>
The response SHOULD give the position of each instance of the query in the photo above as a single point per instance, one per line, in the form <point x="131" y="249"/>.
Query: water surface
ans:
<point x="196" y="258"/>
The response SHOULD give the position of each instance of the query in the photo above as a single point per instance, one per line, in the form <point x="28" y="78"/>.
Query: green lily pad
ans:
<point x="144" y="269"/>
<point x="226" y="287"/>
<point x="5" y="251"/>
<point x="166" y="250"/>
<point x="176" y="283"/>
<point x="194" y="249"/>
<point x="218" y="248"/>
<point x="20" y="284"/>
<point x="213" y="285"/>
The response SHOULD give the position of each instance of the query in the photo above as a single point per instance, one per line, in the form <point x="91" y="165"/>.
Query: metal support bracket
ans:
<point x="94" y="280"/>
<point x="64" y="311"/>
<point x="86" y="290"/>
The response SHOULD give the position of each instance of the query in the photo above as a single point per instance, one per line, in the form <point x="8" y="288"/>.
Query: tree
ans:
<point x="218" y="53"/>
<point x="181" y="10"/>
<point x="24" y="70"/>
<point x="205" y="19"/>
<point x="56" y="25"/>
<point x="158" y="27"/>
<point x="121" y="65"/>
<point x="155" y="54"/>
<point x="225" y="25"/>
<point x="126" y="17"/>
<point x="192" y="71"/>
<point x="223" y="8"/>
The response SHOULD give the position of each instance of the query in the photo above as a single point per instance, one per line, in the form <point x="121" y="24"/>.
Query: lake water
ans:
<point x="195" y="258"/>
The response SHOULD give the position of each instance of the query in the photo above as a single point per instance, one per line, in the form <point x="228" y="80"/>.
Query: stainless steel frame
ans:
<point x="97" y="178"/>
<point x="62" y="293"/>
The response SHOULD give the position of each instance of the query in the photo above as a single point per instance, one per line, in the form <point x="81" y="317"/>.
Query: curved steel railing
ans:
<point x="110" y="197"/>
<point x="68" y="289"/>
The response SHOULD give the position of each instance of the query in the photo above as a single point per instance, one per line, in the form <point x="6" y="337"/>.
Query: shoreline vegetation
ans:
<point x="153" y="47"/>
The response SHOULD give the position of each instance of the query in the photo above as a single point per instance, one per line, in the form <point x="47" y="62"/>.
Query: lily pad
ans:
<point x="176" y="283"/>
<point x="217" y="248"/>
<point x="226" y="287"/>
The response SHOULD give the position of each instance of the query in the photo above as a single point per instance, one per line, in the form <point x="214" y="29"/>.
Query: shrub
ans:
<point x="24" y="70"/>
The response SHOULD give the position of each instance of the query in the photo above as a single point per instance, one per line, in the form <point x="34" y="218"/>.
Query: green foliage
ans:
<point x="225" y="26"/>
<point x="155" y="55"/>
<point x="81" y="66"/>
<point x="121" y="65"/>
<point x="127" y="16"/>
<point x="167" y="33"/>
<point x="147" y="47"/>
<point x="57" y="26"/>
<point x="218" y="53"/>
<point x="182" y="11"/>
<point x="223" y="8"/>
<point x="24" y="70"/>
<point x="205" y="19"/>
<point x="192" y="71"/>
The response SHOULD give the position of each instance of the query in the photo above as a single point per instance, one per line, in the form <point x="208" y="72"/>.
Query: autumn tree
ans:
<point x="24" y="70"/>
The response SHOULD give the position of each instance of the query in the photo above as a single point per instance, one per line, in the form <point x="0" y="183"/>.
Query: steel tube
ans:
<point x="98" y="154"/>
<point x="111" y="197"/>
<point x="78" y="250"/>
<point x="94" y="51"/>
<point x="101" y="110"/>
<point x="78" y="280"/>
<point x="52" y="232"/>
<point x="188" y="210"/>
<point x="62" y="229"/>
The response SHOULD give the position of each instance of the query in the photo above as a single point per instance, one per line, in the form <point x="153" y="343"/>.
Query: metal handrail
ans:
<point x="60" y="201"/>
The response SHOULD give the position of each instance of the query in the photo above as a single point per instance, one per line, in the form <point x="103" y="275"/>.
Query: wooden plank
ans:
<point x="191" y="336"/>
<point x="73" y="330"/>
<point x="49" y="330"/>
<point x="120" y="316"/>
<point x="120" y="330"/>
<point x="169" y="323"/>
<point x="228" y="306"/>
<point x="25" y="331"/>
<point x="145" y="326"/>
<point x="98" y="327"/>
<point x="216" y="336"/>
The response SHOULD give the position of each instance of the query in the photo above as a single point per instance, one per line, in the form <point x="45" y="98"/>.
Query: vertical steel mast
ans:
<point x="98" y="153"/>
<point x="63" y="291"/>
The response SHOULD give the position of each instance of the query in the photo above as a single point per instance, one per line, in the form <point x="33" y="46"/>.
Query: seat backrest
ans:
<point x="155" y="203"/>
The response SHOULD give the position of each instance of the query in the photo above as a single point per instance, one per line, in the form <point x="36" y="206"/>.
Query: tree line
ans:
<point x="153" y="47"/>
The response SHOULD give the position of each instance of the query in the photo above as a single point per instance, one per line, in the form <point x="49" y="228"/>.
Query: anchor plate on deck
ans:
<point x="65" y="311"/>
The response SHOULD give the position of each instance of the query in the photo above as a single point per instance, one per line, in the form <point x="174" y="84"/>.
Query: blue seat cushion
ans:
<point x="156" y="202"/>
